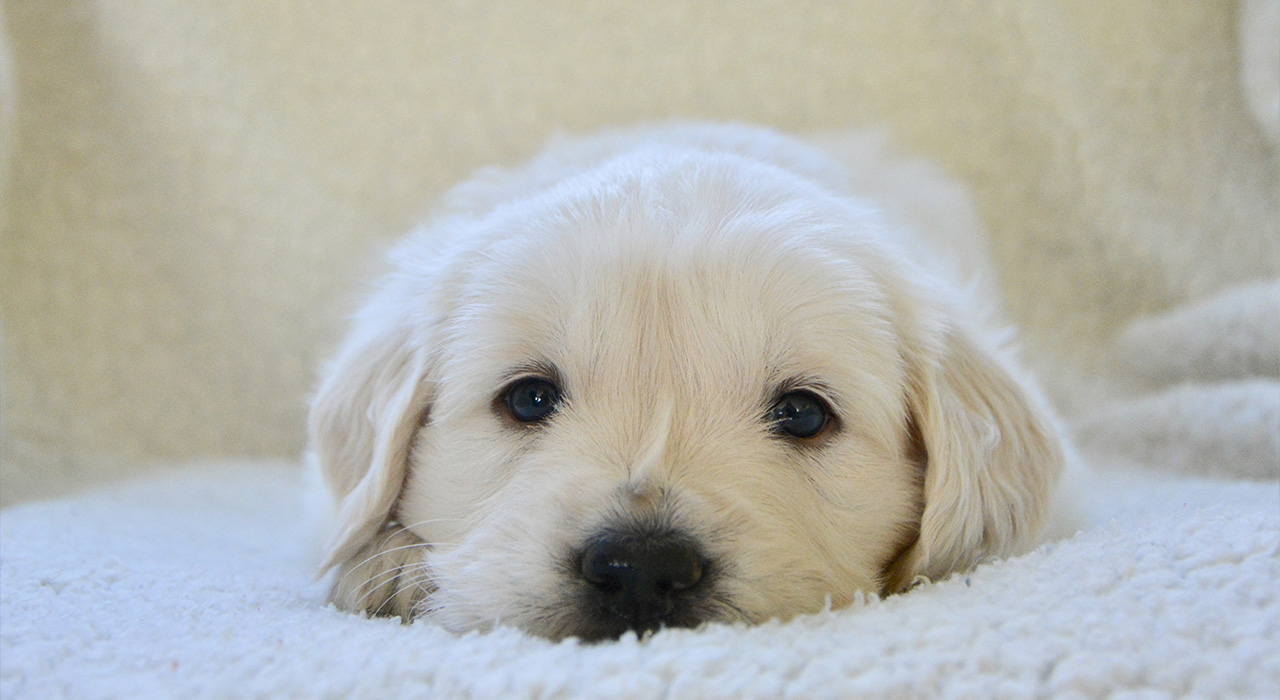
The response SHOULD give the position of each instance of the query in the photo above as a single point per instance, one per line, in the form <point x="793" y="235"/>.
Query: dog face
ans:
<point x="681" y="386"/>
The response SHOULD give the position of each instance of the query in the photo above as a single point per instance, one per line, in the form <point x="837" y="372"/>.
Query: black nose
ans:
<point x="642" y="580"/>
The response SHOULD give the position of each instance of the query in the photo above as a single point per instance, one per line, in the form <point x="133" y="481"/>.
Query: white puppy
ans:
<point x="663" y="377"/>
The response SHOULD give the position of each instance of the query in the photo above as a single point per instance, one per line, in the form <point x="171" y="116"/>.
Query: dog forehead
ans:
<point x="741" y="267"/>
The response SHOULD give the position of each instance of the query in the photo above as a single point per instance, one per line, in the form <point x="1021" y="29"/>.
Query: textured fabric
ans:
<point x="193" y="189"/>
<point x="195" y="186"/>
<point x="199" y="585"/>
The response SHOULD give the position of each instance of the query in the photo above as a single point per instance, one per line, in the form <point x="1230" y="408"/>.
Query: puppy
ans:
<point x="665" y="377"/>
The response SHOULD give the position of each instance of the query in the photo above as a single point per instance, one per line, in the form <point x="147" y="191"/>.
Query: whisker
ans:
<point x="379" y="553"/>
<point x="399" y="589"/>
<point x="386" y="577"/>
<point x="422" y="582"/>
<point x="391" y="575"/>
<point x="382" y="552"/>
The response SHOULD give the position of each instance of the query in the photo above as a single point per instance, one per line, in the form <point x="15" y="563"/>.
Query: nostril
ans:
<point x="639" y="569"/>
<point x="643" y="581"/>
<point x="603" y="568"/>
<point x="681" y="569"/>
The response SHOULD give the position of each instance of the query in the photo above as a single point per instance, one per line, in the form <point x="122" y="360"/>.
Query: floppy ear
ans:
<point x="362" y="422"/>
<point x="992" y="457"/>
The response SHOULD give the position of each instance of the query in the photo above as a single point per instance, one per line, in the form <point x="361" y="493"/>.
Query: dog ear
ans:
<point x="991" y="456"/>
<point x="362" y="422"/>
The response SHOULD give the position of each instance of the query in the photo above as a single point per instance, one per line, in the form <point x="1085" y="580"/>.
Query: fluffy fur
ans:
<point x="673" y="282"/>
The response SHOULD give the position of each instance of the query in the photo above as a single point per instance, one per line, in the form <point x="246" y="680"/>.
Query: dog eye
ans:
<point x="532" y="399"/>
<point x="799" y="414"/>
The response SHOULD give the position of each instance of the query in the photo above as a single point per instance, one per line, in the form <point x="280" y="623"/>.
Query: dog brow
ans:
<point x="535" y="368"/>
<point x="808" y="383"/>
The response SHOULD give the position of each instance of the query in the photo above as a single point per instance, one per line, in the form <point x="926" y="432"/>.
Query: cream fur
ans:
<point x="675" y="279"/>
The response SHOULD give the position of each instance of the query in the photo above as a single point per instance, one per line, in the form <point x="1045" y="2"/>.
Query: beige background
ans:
<point x="194" y="188"/>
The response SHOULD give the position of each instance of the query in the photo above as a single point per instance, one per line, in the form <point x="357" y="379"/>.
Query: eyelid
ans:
<point x="812" y="386"/>
<point x="533" y="369"/>
<point x="823" y="393"/>
<point x="512" y="379"/>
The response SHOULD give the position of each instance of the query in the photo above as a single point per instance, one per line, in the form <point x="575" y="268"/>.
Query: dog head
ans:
<point x="677" y="387"/>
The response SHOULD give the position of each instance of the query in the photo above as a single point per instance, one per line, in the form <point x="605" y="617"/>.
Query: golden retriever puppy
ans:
<point x="664" y="377"/>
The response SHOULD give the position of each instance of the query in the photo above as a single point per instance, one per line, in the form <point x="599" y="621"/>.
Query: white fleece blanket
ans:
<point x="198" y="585"/>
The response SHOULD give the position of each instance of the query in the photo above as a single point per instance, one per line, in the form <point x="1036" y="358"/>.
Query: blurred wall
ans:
<point x="196" y="187"/>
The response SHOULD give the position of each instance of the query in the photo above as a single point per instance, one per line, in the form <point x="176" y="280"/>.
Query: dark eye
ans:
<point x="532" y="399"/>
<point x="799" y="414"/>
